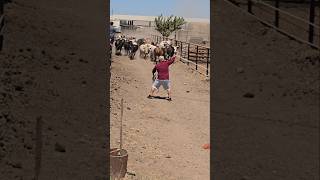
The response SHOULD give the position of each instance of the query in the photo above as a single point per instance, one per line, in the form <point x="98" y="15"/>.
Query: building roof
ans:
<point x="151" y="18"/>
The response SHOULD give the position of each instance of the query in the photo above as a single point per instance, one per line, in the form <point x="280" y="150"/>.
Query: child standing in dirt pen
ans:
<point x="162" y="68"/>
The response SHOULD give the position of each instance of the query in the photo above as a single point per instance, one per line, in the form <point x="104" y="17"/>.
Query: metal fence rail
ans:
<point x="194" y="55"/>
<point x="305" y="30"/>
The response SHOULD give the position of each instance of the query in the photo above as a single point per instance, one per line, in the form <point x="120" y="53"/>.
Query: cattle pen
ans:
<point x="194" y="55"/>
<point x="284" y="17"/>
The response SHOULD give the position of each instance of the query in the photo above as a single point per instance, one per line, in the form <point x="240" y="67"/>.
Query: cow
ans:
<point x="152" y="53"/>
<point x="126" y="46"/>
<point x="119" y="44"/>
<point x="140" y="42"/>
<point x="158" y="52"/>
<point x="168" y="49"/>
<point x="133" y="47"/>
<point x="144" y="50"/>
<point x="163" y="44"/>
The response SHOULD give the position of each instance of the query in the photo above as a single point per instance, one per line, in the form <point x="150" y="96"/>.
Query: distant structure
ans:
<point x="196" y="30"/>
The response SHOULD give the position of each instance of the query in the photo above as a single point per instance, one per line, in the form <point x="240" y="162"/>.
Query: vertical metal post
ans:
<point x="276" y="20"/>
<point x="208" y="56"/>
<point x="311" y="20"/>
<point x="250" y="6"/>
<point x="181" y="48"/>
<point x="188" y="53"/>
<point x="197" y="57"/>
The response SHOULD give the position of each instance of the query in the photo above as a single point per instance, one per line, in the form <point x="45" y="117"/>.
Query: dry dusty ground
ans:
<point x="163" y="139"/>
<point x="275" y="134"/>
<point x="49" y="70"/>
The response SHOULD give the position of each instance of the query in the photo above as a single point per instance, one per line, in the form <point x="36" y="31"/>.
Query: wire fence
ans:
<point x="299" y="22"/>
<point x="194" y="55"/>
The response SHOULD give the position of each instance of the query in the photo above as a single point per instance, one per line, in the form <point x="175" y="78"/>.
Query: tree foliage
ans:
<point x="167" y="25"/>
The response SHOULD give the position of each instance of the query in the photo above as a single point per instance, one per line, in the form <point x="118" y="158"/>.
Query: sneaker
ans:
<point x="169" y="99"/>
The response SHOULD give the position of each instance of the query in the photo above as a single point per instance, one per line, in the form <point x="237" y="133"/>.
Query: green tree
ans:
<point x="167" y="25"/>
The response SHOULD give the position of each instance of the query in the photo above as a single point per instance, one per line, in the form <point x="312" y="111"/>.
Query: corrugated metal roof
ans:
<point x="151" y="18"/>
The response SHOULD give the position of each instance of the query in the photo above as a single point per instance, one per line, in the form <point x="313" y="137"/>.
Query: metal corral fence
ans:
<point x="193" y="55"/>
<point x="300" y="23"/>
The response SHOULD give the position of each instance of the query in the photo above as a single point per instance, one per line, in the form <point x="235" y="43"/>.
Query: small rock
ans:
<point x="59" y="148"/>
<point x="43" y="52"/>
<point x="187" y="91"/>
<point x="248" y="95"/>
<point x="132" y="173"/>
<point x="128" y="108"/>
<point x="168" y="156"/>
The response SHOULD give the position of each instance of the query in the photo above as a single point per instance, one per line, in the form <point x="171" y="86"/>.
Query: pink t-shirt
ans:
<point x="163" y="68"/>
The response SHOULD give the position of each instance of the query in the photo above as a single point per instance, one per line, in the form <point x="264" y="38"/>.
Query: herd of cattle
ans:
<point x="145" y="47"/>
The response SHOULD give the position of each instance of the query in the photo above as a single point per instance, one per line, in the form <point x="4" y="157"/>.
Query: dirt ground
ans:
<point x="163" y="139"/>
<point x="264" y="101"/>
<point x="49" y="70"/>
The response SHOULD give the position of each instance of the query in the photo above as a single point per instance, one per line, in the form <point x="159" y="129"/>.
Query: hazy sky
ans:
<point x="185" y="8"/>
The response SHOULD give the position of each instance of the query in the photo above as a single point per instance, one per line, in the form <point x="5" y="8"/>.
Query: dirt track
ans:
<point x="164" y="139"/>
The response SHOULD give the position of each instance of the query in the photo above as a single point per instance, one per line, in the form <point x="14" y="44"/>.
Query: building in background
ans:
<point x="196" y="30"/>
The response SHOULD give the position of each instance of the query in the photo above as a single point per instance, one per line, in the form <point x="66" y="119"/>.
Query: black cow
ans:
<point x="169" y="51"/>
<point x="133" y="48"/>
<point x="119" y="44"/>
<point x="126" y="46"/>
<point x="140" y="42"/>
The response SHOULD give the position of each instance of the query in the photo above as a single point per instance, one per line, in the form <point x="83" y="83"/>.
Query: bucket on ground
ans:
<point x="118" y="162"/>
